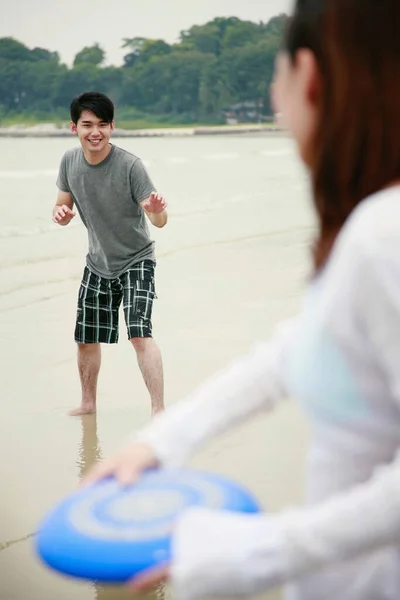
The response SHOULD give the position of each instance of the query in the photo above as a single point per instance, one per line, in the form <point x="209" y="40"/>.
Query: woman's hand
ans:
<point x="149" y="578"/>
<point x="126" y="465"/>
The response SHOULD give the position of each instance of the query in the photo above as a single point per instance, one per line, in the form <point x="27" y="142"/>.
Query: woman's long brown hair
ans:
<point x="356" y="150"/>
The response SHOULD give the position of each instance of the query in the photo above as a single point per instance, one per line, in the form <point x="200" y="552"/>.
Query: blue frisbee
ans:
<point x="109" y="534"/>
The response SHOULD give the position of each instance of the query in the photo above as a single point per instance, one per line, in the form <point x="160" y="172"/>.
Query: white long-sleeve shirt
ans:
<point x="340" y="358"/>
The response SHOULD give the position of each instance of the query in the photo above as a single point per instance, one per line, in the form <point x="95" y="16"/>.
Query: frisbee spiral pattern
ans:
<point x="108" y="533"/>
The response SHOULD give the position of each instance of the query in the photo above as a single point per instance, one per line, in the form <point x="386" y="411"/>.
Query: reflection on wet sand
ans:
<point x="232" y="264"/>
<point x="115" y="593"/>
<point x="89" y="453"/>
<point x="89" y="449"/>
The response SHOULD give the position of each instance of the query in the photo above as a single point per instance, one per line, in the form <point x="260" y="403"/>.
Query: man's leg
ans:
<point x="150" y="364"/>
<point x="138" y="296"/>
<point x="96" y="323"/>
<point x="89" y="360"/>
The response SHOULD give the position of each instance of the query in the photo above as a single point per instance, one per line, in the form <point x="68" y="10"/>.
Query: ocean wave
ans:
<point x="16" y="231"/>
<point x="15" y="174"/>
<point x="281" y="152"/>
<point x="222" y="156"/>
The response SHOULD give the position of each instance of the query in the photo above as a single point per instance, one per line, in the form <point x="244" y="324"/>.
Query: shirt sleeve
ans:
<point x="248" y="386"/>
<point x="217" y="554"/>
<point x="141" y="184"/>
<point x="62" y="180"/>
<point x="225" y="554"/>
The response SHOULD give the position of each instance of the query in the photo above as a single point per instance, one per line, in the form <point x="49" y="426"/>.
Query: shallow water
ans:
<point x="232" y="262"/>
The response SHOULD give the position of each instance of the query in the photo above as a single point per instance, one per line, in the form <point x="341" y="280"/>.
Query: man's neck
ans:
<point x="94" y="158"/>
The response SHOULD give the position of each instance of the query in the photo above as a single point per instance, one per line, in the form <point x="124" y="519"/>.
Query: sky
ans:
<point x="66" y="26"/>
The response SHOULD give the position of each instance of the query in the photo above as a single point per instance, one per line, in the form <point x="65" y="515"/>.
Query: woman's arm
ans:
<point x="248" y="386"/>
<point x="224" y="554"/>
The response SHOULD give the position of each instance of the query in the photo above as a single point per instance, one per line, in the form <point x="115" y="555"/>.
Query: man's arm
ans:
<point x="155" y="208"/>
<point x="62" y="211"/>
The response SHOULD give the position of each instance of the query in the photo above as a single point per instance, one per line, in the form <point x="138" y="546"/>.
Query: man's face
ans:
<point x="94" y="134"/>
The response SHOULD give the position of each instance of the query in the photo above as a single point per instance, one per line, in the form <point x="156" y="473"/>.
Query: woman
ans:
<point x="338" y="90"/>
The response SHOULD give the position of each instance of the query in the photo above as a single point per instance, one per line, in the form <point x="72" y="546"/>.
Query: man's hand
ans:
<point x="62" y="215"/>
<point x="154" y="207"/>
<point x="154" y="204"/>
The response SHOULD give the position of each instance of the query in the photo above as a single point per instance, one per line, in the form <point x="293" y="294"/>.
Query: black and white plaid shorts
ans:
<point x="99" y="301"/>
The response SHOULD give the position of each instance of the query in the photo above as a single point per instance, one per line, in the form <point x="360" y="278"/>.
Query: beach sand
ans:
<point x="232" y="263"/>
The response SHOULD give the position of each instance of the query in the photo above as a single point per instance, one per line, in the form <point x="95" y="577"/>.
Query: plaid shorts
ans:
<point x="99" y="301"/>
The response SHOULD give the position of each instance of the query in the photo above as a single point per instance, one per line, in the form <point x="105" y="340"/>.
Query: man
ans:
<point x="113" y="194"/>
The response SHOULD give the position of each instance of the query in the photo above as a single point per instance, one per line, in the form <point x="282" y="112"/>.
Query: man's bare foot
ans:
<point x="157" y="411"/>
<point x="82" y="410"/>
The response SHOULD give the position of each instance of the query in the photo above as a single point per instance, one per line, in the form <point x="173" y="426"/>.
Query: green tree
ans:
<point x="11" y="49"/>
<point x="41" y="54"/>
<point x="109" y="81"/>
<point x="144" y="49"/>
<point x="27" y="78"/>
<point x="275" y="27"/>
<point x="75" y="81"/>
<point x="203" y="38"/>
<point x="90" y="55"/>
<point x="247" y="73"/>
<point x="170" y="83"/>
<point x="135" y="46"/>
<point x="210" y="37"/>
<point x="214" y="66"/>
<point x="242" y="33"/>
<point x="11" y="84"/>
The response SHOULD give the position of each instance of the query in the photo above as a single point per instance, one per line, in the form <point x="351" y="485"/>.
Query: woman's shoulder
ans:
<point x="371" y="232"/>
<point x="375" y="222"/>
<point x="368" y="243"/>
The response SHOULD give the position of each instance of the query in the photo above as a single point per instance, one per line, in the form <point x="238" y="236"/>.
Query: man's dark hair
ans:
<point x="96" y="102"/>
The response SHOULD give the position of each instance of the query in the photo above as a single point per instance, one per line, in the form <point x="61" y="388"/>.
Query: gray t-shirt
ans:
<point x="107" y="197"/>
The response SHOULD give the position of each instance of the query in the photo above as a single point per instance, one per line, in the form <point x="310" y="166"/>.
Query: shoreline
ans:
<point x="53" y="131"/>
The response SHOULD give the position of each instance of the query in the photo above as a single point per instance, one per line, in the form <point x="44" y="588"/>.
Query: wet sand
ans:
<point x="231" y="264"/>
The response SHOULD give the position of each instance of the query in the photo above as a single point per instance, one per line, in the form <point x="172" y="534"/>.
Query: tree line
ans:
<point x="224" y="63"/>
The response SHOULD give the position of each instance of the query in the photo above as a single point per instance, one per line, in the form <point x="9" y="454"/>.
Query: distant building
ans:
<point x="249" y="111"/>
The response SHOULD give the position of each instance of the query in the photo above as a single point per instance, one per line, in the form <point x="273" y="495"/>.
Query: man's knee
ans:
<point x="88" y="348"/>
<point x="140" y="343"/>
